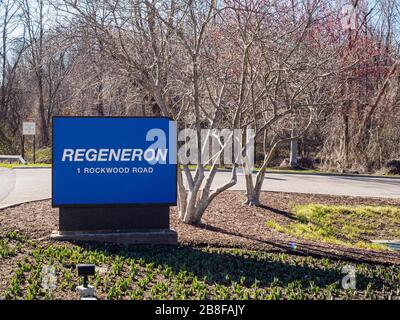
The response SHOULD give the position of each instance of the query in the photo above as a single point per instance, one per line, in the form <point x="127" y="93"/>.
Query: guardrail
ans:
<point x="22" y="160"/>
<point x="394" y="244"/>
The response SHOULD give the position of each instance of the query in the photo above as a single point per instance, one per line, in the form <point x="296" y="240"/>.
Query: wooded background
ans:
<point x="302" y="73"/>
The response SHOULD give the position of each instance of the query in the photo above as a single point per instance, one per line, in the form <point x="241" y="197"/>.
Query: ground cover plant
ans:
<point x="227" y="223"/>
<point x="232" y="255"/>
<point x="182" y="272"/>
<point x="345" y="225"/>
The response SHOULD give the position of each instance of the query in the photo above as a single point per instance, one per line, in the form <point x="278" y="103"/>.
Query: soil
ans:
<point x="227" y="223"/>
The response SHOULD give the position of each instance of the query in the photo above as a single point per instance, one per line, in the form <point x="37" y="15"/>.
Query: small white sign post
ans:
<point x="29" y="129"/>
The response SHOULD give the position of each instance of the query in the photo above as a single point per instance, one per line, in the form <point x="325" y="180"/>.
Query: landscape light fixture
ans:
<point x="85" y="290"/>
<point x="85" y="270"/>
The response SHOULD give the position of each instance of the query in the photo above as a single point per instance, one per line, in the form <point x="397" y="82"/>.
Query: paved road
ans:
<point x="35" y="184"/>
<point x="325" y="184"/>
<point x="30" y="185"/>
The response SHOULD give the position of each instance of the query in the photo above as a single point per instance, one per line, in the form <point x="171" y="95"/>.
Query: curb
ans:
<point x="31" y="167"/>
<point x="12" y="205"/>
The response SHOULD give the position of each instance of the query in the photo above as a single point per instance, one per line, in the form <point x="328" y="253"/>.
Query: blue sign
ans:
<point x="114" y="161"/>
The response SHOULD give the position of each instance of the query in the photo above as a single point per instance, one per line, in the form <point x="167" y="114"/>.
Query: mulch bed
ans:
<point x="226" y="223"/>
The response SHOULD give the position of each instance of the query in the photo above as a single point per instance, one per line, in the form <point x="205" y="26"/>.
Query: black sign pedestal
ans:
<point x="123" y="225"/>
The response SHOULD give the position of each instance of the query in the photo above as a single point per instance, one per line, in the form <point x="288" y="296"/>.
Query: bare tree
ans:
<point x="10" y="57"/>
<point x="34" y="22"/>
<point x="283" y="87"/>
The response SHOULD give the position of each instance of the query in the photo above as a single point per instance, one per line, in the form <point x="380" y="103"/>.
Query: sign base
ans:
<point x="164" y="237"/>
<point x="131" y="218"/>
<point x="123" y="225"/>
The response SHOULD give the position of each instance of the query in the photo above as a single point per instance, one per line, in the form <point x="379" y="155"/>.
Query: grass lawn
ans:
<point x="345" y="225"/>
<point x="183" y="272"/>
<point x="18" y="165"/>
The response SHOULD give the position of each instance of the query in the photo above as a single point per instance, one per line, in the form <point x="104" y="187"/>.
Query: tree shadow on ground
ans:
<point x="301" y="248"/>
<point x="286" y="214"/>
<point x="222" y="266"/>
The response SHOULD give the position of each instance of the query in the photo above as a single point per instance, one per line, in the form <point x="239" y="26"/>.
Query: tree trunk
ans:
<point x="193" y="203"/>
<point x="45" y="137"/>
<point x="293" y="147"/>
<point x="253" y="190"/>
<point x="346" y="138"/>
<point x="293" y="154"/>
<point x="252" y="197"/>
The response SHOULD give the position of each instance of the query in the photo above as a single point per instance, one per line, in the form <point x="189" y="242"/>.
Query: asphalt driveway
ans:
<point x="35" y="184"/>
